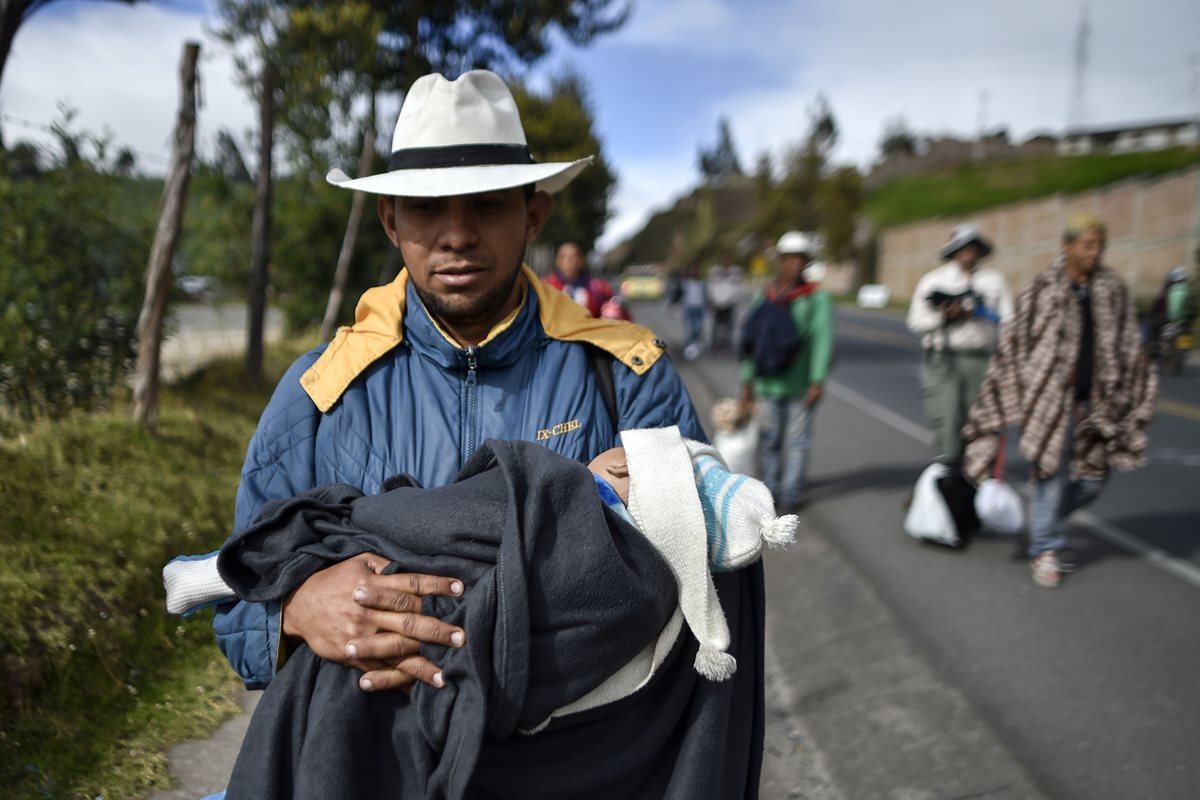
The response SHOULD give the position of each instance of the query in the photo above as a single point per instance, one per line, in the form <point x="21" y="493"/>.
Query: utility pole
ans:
<point x="1077" y="114"/>
<point x="162" y="252"/>
<point x="980" y="148"/>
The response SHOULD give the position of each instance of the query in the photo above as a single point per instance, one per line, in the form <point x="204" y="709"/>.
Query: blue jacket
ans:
<point x="393" y="394"/>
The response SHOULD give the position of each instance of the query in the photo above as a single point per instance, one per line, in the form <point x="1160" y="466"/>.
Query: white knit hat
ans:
<point x="668" y="477"/>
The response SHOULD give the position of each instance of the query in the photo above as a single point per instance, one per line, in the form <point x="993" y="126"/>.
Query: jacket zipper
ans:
<point x="472" y="402"/>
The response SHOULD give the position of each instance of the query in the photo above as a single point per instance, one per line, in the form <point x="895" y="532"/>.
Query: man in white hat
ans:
<point x="787" y="346"/>
<point x="957" y="310"/>
<point x="465" y="345"/>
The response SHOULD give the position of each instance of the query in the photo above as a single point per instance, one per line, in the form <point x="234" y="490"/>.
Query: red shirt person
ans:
<point x="570" y="275"/>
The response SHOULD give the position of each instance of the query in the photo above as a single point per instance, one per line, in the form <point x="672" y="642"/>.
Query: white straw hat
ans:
<point x="460" y="137"/>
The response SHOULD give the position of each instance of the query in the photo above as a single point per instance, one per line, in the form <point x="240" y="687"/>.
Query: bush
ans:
<point x="71" y="287"/>
<point x="98" y="679"/>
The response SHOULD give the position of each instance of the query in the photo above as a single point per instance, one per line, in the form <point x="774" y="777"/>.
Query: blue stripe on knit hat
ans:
<point x="717" y="488"/>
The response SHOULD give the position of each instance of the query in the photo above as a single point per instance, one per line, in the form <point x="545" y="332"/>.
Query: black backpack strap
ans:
<point x="601" y="364"/>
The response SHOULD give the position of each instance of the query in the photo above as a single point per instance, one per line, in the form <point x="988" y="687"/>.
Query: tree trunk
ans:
<point x="162" y="252"/>
<point x="10" y="19"/>
<point x="261" y="247"/>
<point x="342" y="273"/>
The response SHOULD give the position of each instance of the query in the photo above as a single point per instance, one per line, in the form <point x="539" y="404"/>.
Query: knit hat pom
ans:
<point x="781" y="530"/>
<point x="714" y="664"/>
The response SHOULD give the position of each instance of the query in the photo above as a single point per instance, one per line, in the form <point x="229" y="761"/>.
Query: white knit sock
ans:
<point x="192" y="583"/>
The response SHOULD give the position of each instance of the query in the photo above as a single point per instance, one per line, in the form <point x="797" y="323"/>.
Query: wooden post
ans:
<point x="261" y="247"/>
<point x="341" y="274"/>
<point x="162" y="252"/>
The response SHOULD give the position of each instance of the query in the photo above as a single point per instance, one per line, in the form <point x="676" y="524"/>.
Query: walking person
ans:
<point x="1071" y="372"/>
<point x="957" y="310"/>
<point x="571" y="275"/>
<point x="466" y="345"/>
<point x="786" y="350"/>
<point x="724" y="291"/>
<point x="695" y="309"/>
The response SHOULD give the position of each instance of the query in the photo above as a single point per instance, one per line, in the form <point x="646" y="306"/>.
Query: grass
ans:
<point x="99" y="680"/>
<point x="974" y="187"/>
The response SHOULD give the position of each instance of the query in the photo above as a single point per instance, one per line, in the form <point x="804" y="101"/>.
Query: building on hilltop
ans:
<point x="1137" y="138"/>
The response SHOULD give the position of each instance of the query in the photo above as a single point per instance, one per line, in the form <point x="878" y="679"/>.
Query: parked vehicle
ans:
<point x="642" y="283"/>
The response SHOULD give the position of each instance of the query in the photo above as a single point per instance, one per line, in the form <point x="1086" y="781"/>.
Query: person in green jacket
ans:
<point x="784" y="371"/>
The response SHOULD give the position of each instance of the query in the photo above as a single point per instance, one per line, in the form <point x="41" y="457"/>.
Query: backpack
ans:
<point x="769" y="336"/>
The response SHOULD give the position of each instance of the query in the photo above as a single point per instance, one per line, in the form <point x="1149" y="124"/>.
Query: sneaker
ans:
<point x="1047" y="571"/>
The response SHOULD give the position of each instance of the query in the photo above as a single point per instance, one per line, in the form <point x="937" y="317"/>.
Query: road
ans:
<point x="200" y="332"/>
<point x="1091" y="691"/>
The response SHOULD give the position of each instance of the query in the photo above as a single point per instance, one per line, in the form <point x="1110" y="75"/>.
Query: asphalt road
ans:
<point x="1089" y="691"/>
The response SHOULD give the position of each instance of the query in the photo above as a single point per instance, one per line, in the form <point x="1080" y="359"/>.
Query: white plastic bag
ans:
<point x="929" y="517"/>
<point x="739" y="448"/>
<point x="999" y="507"/>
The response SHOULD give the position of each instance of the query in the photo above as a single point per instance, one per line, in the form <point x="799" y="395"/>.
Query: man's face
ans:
<point x="464" y="253"/>
<point x="791" y="267"/>
<point x="1083" y="254"/>
<point x="968" y="256"/>
<point x="569" y="262"/>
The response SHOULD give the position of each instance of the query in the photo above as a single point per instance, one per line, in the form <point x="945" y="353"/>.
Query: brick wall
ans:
<point x="1153" y="225"/>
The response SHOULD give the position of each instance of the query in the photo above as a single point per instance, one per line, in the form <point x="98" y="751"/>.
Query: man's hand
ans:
<point x="746" y="403"/>
<point x="351" y="614"/>
<point x="815" y="391"/>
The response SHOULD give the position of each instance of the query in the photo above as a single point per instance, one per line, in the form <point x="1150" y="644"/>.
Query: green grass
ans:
<point x="99" y="680"/>
<point x="975" y="187"/>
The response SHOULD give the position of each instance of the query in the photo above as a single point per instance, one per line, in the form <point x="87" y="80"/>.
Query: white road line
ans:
<point x="1152" y="555"/>
<point x="882" y="413"/>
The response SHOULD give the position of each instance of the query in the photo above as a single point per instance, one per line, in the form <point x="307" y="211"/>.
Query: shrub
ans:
<point x="70" y="292"/>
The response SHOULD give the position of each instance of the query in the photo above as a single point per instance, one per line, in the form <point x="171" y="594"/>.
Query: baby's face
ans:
<point x="611" y="466"/>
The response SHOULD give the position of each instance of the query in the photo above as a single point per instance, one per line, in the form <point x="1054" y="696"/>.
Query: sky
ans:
<point x="659" y="85"/>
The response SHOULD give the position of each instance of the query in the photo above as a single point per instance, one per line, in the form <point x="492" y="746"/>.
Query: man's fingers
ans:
<point x="390" y="644"/>
<point x="402" y="675"/>
<point x="402" y="592"/>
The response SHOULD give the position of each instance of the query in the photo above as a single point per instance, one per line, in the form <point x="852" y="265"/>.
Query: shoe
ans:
<point x="1047" y="571"/>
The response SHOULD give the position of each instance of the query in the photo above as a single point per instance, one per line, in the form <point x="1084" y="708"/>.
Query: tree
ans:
<point x="14" y="14"/>
<point x="898" y="139"/>
<point x="559" y="126"/>
<point x="720" y="163"/>
<point x="339" y="56"/>
<point x="227" y="158"/>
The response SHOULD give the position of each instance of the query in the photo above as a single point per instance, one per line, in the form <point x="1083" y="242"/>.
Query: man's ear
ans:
<point x="386" y="206"/>
<point x="537" y="211"/>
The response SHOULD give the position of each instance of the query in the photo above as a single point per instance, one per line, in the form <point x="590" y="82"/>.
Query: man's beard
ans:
<point x="478" y="310"/>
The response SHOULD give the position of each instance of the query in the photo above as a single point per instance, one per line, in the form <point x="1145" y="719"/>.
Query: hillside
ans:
<point x="975" y="187"/>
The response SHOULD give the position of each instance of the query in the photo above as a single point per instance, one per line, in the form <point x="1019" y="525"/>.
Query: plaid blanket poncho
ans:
<point x="1030" y="382"/>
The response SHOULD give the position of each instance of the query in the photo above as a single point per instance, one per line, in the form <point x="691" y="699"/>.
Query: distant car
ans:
<point x="873" y="295"/>
<point x="196" y="287"/>
<point x="641" y="283"/>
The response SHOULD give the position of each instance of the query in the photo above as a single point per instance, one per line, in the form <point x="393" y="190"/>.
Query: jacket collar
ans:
<point x="380" y="324"/>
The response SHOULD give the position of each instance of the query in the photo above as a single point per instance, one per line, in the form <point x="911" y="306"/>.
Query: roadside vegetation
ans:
<point x="98" y="677"/>
<point x="974" y="187"/>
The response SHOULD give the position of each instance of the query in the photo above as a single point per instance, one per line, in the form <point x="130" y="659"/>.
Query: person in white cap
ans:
<point x="957" y="310"/>
<point x="786" y="351"/>
<point x="465" y="345"/>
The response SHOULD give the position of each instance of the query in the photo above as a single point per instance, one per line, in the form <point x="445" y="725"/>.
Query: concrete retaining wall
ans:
<point x="1153" y="225"/>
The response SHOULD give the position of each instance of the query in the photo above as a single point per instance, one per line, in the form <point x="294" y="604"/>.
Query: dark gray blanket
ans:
<point x="561" y="592"/>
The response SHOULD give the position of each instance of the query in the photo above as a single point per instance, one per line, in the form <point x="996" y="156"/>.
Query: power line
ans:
<point x="44" y="128"/>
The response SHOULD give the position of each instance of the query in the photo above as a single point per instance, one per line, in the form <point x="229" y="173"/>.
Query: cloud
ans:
<point x="118" y="66"/>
